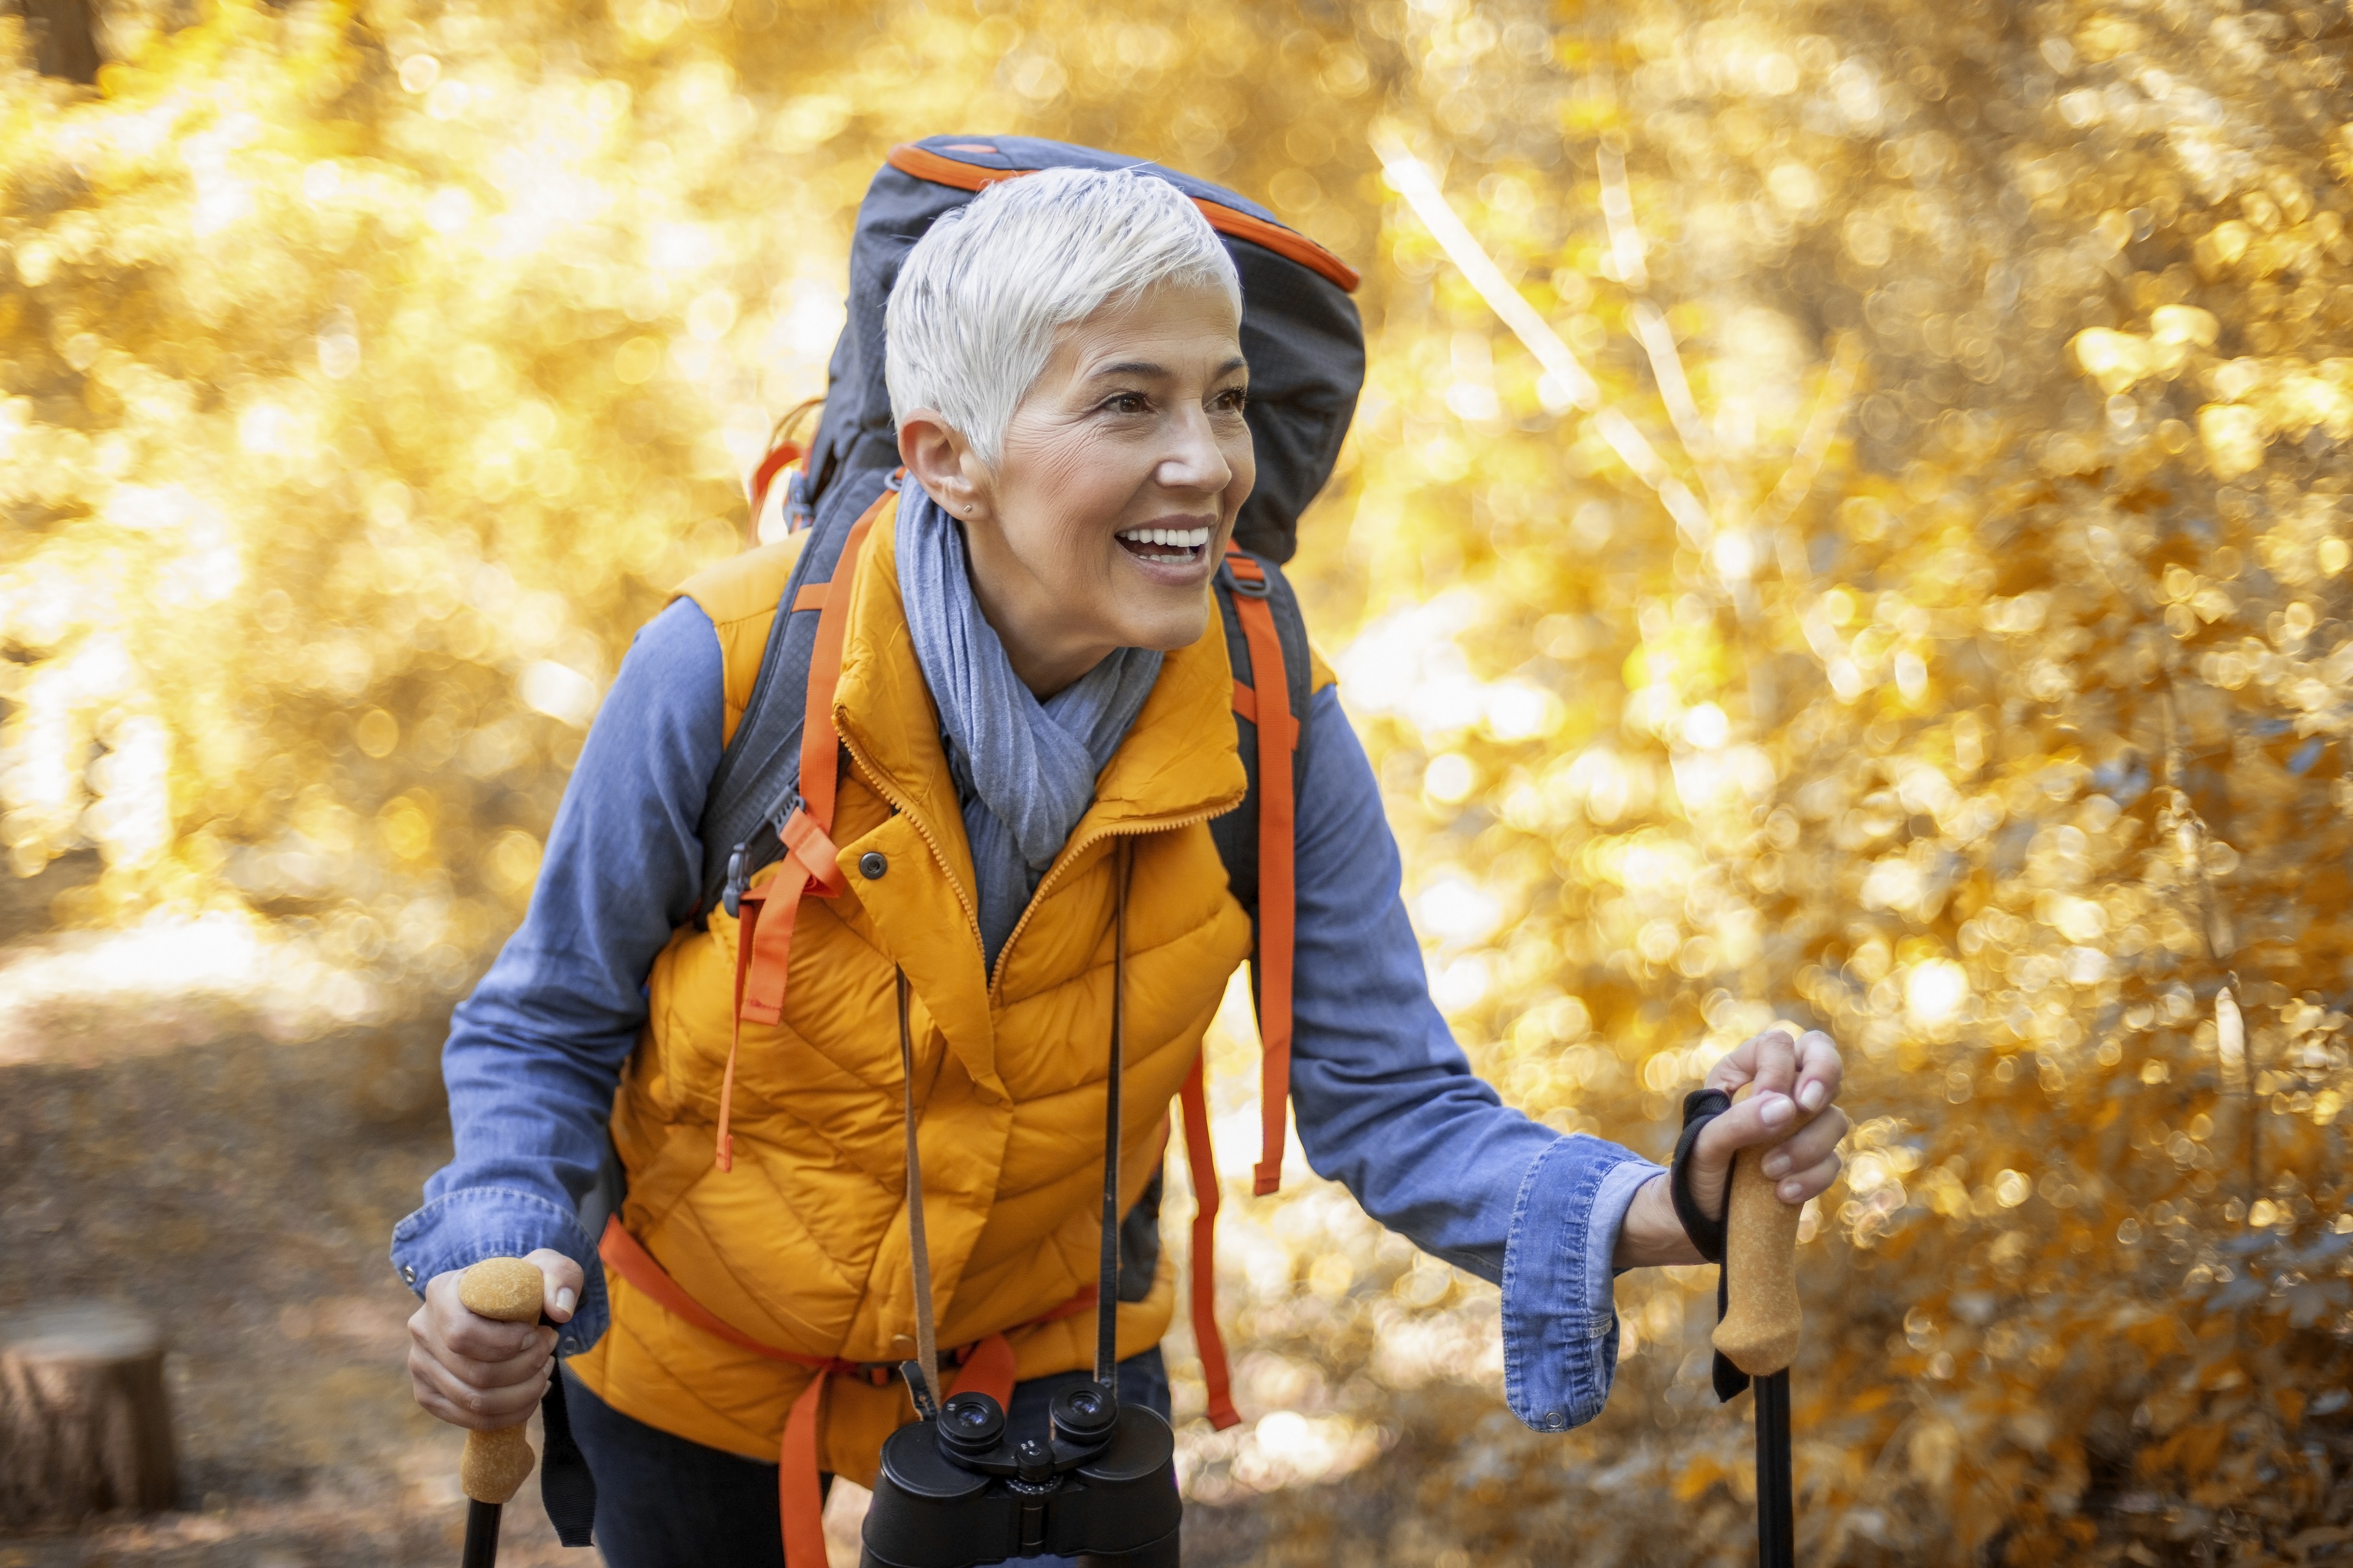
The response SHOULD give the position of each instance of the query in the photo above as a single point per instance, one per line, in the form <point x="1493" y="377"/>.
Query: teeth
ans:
<point x="1168" y="538"/>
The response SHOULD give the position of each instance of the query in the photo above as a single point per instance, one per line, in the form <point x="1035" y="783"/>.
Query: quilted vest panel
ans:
<point x="804" y="1245"/>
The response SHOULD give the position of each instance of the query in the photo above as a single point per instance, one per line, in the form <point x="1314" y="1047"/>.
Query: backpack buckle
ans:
<point x="738" y="877"/>
<point x="785" y="809"/>
<point x="1253" y="587"/>
<point x="800" y="511"/>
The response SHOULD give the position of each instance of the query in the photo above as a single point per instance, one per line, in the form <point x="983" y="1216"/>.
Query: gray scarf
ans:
<point x="1025" y="771"/>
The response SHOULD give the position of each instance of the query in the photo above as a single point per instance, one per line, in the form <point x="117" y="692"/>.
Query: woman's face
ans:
<point x="1121" y="471"/>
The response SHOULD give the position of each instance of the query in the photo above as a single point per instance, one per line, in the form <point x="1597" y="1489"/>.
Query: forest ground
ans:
<point x="243" y="1190"/>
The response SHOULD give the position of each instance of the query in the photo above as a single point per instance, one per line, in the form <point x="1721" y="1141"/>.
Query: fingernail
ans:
<point x="565" y="1298"/>
<point x="1777" y="1164"/>
<point x="1773" y="1110"/>
<point x="1791" y="1191"/>
<point x="1812" y="1096"/>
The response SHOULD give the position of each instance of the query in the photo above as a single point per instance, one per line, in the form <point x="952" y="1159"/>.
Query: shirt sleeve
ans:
<point x="535" y="1054"/>
<point x="1386" y="1104"/>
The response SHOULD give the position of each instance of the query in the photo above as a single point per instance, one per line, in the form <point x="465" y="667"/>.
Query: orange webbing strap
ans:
<point x="628" y="1257"/>
<point x="987" y="1367"/>
<point x="820" y="746"/>
<point x="1203" y="1170"/>
<point x="1277" y="733"/>
<point x="1246" y="704"/>
<point x="785" y="454"/>
<point x="799" y="1497"/>
<point x="764" y="948"/>
<point x="926" y="165"/>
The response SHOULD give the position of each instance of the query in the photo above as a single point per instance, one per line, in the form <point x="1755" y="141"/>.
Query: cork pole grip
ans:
<point x="1762" y="1319"/>
<point x="509" y="1290"/>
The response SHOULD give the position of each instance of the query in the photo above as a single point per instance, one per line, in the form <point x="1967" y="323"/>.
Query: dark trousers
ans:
<point x="664" y="1502"/>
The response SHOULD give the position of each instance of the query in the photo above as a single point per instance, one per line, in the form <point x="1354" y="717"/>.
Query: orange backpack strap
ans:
<point x="799" y="1497"/>
<point x="1266" y="702"/>
<point x="986" y="1366"/>
<point x="1201" y="1163"/>
<point x="763" y="939"/>
<point x="780" y="457"/>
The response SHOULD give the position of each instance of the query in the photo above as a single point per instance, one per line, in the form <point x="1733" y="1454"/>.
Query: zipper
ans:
<point x="899" y="802"/>
<point x="1070" y="852"/>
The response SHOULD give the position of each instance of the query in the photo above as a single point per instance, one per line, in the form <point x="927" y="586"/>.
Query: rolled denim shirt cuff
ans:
<point x="1560" y="1317"/>
<point x="458" y="1229"/>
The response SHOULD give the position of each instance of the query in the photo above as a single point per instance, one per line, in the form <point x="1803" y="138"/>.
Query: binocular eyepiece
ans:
<point x="956" y="1491"/>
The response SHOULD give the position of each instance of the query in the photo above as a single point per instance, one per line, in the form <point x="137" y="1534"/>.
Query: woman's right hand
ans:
<point x="479" y="1373"/>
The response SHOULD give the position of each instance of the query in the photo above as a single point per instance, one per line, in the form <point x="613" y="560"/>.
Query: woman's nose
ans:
<point x="1195" y="461"/>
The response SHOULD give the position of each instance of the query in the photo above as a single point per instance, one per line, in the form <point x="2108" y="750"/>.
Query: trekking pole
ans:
<point x="1759" y="1336"/>
<point x="495" y="1463"/>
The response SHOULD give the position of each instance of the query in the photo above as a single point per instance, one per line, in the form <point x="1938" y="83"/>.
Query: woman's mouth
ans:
<point x="1165" y="546"/>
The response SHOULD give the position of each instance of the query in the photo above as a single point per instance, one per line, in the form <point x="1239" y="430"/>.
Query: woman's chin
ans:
<point x="1161" y="618"/>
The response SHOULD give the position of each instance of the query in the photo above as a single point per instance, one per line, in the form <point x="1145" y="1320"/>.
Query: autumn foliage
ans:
<point x="1889" y="575"/>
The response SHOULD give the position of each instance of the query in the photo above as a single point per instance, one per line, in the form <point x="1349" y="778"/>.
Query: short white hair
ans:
<point x="971" y="320"/>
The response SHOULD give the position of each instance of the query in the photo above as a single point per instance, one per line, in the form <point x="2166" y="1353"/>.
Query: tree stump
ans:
<point x="65" y="41"/>
<point x="85" y="1426"/>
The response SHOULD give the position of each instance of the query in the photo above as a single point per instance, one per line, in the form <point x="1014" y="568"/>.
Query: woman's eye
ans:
<point x="1230" y="400"/>
<point x="1126" y="403"/>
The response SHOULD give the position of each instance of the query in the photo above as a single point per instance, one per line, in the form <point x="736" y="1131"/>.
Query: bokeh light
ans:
<point x="1846" y="527"/>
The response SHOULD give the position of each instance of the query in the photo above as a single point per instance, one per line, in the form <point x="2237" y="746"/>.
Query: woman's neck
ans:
<point x="1038" y="641"/>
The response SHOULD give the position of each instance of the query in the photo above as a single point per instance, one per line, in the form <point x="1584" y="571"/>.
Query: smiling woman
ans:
<point x="1090" y="435"/>
<point x="1015" y="892"/>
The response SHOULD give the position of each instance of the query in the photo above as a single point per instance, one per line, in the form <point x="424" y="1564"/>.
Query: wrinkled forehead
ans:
<point x="1174" y="329"/>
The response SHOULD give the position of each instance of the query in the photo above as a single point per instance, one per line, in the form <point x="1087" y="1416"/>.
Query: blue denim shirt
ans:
<point x="1384" y="1099"/>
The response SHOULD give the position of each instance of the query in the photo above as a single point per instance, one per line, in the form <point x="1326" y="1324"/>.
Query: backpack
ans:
<point x="1304" y="342"/>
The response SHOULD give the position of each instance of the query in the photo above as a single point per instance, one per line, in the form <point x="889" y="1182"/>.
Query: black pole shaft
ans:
<point x="1776" y="1509"/>
<point x="482" y="1535"/>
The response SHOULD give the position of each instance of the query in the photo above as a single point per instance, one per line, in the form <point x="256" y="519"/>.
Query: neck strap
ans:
<point x="927" y="1355"/>
<point x="1107" y="1282"/>
<point x="927" y="1348"/>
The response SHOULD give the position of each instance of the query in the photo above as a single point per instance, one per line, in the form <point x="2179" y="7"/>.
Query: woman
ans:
<point x="1033" y="696"/>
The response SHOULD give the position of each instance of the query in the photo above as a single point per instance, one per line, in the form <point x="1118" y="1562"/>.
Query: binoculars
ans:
<point x="956" y="1490"/>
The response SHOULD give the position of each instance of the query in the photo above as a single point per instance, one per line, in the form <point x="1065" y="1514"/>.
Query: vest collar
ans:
<point x="1178" y="763"/>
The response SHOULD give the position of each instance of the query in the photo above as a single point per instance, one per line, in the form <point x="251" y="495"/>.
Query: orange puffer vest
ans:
<point x="803" y="1244"/>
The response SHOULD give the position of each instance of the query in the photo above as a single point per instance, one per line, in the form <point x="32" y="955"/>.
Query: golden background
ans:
<point x="1846" y="524"/>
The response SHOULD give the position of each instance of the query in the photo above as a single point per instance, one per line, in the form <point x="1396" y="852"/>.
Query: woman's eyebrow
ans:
<point x="1148" y="368"/>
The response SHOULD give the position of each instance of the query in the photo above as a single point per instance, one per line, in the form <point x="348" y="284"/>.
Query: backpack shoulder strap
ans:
<point x="740" y="596"/>
<point x="760" y="769"/>
<point x="1274" y="681"/>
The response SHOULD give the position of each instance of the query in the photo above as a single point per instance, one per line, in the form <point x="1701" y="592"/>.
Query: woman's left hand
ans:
<point x="1792" y="1081"/>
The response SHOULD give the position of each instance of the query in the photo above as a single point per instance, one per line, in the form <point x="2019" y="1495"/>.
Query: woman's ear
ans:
<point x="939" y="461"/>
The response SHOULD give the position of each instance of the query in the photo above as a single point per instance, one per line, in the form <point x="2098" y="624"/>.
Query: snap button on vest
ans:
<point x="872" y="865"/>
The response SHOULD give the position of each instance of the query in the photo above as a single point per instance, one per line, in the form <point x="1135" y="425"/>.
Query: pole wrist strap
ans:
<point x="1701" y="1107"/>
<point x="1706" y="1231"/>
